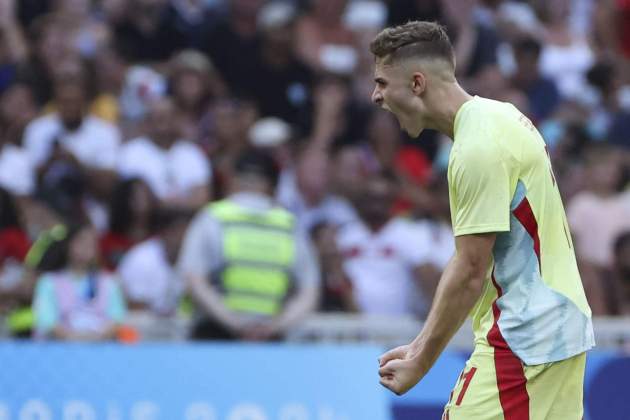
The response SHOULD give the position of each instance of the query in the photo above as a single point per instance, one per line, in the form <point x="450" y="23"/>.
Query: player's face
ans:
<point x="394" y="93"/>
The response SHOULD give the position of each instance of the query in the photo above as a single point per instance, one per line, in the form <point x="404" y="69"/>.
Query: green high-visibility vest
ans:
<point x="258" y="257"/>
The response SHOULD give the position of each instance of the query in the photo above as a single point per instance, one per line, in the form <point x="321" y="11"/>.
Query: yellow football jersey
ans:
<point x="500" y="180"/>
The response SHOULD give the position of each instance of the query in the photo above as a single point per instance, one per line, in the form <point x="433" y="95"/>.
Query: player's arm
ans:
<point x="460" y="286"/>
<point x="480" y="205"/>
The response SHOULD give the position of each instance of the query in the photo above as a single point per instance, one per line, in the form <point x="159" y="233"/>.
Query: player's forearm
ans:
<point x="458" y="290"/>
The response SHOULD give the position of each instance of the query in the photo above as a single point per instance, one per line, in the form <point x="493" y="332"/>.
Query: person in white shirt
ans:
<point x="305" y="192"/>
<point x="177" y="170"/>
<point x="89" y="140"/>
<point x="16" y="172"/>
<point x="388" y="259"/>
<point x="17" y="109"/>
<point x="149" y="278"/>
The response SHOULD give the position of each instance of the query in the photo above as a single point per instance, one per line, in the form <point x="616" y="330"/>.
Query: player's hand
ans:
<point x="398" y="371"/>
<point x="397" y="353"/>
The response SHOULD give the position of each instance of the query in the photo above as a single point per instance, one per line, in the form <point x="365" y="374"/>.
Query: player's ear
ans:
<point x="418" y="83"/>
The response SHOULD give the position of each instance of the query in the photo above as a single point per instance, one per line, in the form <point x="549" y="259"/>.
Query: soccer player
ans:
<point x="514" y="268"/>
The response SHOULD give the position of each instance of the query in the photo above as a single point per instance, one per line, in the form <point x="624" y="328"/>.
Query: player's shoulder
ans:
<point x="483" y="113"/>
<point x="480" y="129"/>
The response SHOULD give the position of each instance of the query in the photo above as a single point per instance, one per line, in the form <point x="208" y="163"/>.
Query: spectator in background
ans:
<point x="146" y="30"/>
<point x="542" y="94"/>
<point x="384" y="255"/>
<point x="251" y="272"/>
<point x="322" y="40"/>
<point x="13" y="46"/>
<point x="147" y="271"/>
<point x="338" y="118"/>
<point x="387" y="152"/>
<point x="109" y="81"/>
<point x="605" y="81"/>
<point x="193" y="84"/>
<point x="224" y="133"/>
<point x="17" y="109"/>
<point x="233" y="44"/>
<point x="617" y="280"/>
<point x="601" y="212"/>
<point x="71" y="133"/>
<point x="131" y="217"/>
<point x="566" y="55"/>
<point x="16" y="288"/>
<point x="51" y="45"/>
<point x="89" y="33"/>
<point x="610" y="117"/>
<point x="288" y="82"/>
<point x="177" y="171"/>
<point x="306" y="192"/>
<point x="348" y="169"/>
<point x="476" y="41"/>
<point x="337" y="294"/>
<point x="402" y="11"/>
<point x="612" y="27"/>
<point x="74" y="299"/>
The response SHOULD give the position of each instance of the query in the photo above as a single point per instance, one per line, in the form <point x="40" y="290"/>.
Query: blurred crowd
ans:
<point x="120" y="120"/>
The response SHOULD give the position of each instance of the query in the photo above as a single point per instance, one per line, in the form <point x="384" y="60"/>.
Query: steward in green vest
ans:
<point x="252" y="273"/>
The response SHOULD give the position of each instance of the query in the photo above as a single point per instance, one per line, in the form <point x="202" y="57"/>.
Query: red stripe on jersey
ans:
<point x="511" y="379"/>
<point x="525" y="215"/>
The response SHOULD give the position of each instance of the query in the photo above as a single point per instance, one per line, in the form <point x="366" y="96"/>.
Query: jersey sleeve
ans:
<point x="480" y="183"/>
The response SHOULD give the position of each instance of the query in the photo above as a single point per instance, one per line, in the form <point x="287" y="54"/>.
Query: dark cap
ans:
<point x="257" y="162"/>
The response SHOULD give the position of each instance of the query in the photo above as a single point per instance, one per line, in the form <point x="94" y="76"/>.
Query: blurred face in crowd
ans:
<point x="162" y="124"/>
<point x="83" y="248"/>
<point x="173" y="236"/>
<point x="17" y="106"/>
<point x="71" y="104"/>
<point x="313" y="176"/>
<point x="384" y="137"/>
<point x="142" y="199"/>
<point x="527" y="64"/>
<point x="376" y="200"/>
<point x="348" y="170"/>
<point x="189" y="88"/>
<point x="246" y="8"/>
<point x="111" y="67"/>
<point x="604" y="171"/>
<point x="279" y="38"/>
<point x="330" y="10"/>
<point x="54" y="42"/>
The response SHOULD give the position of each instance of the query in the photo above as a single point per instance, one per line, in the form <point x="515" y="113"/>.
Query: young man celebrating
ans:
<point x="514" y="269"/>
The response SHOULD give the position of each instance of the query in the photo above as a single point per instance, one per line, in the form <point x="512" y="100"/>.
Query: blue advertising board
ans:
<point x="189" y="382"/>
<point x="244" y="382"/>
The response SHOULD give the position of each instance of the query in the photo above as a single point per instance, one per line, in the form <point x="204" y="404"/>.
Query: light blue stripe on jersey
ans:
<point x="539" y="324"/>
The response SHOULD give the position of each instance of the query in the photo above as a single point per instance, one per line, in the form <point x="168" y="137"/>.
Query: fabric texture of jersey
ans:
<point x="500" y="180"/>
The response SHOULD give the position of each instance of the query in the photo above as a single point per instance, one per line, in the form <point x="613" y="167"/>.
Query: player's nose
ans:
<point x="377" y="97"/>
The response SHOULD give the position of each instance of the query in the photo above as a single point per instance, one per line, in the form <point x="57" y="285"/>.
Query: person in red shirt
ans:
<point x="16" y="286"/>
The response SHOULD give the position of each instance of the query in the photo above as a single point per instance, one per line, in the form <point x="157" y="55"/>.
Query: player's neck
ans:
<point x="448" y="101"/>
